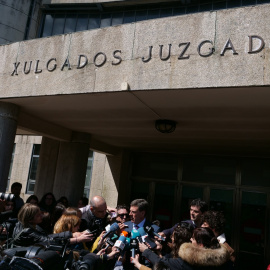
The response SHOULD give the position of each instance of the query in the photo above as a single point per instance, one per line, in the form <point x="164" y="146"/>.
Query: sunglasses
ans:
<point x="122" y="215"/>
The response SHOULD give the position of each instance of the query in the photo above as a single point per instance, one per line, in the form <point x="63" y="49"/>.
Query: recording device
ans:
<point x="4" y="216"/>
<point x="114" y="227"/>
<point x="110" y="241"/>
<point x="6" y="196"/>
<point x="7" y="223"/>
<point x="87" y="262"/>
<point x="120" y="243"/>
<point x="133" y="246"/>
<point x="94" y="232"/>
<point x="150" y="230"/>
<point x="124" y="233"/>
<point x="146" y="238"/>
<point x="136" y="235"/>
<point x="50" y="257"/>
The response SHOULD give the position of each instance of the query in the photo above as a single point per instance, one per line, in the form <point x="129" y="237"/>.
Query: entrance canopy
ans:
<point x="233" y="119"/>
<point x="209" y="72"/>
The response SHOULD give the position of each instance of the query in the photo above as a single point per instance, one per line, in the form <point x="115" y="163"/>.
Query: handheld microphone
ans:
<point x="150" y="230"/>
<point x="120" y="243"/>
<point x="124" y="233"/>
<point x="134" y="233"/>
<point x="135" y="238"/>
<point x="127" y="246"/>
<point x="114" y="227"/>
<point x="133" y="246"/>
<point x="146" y="238"/>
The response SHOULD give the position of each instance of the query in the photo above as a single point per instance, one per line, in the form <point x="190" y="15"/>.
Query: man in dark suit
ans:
<point x="197" y="208"/>
<point x="137" y="213"/>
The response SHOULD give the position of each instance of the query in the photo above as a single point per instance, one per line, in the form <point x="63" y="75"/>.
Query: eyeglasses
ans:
<point x="122" y="215"/>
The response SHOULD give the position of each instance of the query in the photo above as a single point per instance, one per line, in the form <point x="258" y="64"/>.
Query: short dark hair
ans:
<point x="16" y="184"/>
<point x="142" y="204"/>
<point x="84" y="200"/>
<point x="206" y="237"/>
<point x="122" y="206"/>
<point x="199" y="203"/>
<point x="215" y="220"/>
<point x="181" y="234"/>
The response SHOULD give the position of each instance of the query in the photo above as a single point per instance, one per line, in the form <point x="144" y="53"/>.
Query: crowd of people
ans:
<point x="121" y="238"/>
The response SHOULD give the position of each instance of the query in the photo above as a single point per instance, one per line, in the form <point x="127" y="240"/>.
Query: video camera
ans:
<point x="6" y="196"/>
<point x="38" y="257"/>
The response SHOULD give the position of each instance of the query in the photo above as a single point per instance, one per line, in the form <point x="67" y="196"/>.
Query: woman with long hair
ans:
<point x="47" y="203"/>
<point x="67" y="223"/>
<point x="27" y="231"/>
<point x="181" y="234"/>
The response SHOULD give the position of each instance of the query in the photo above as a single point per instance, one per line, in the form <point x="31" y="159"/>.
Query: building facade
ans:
<point x="103" y="75"/>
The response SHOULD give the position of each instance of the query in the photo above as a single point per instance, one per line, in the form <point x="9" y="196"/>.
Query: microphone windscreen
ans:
<point x="120" y="243"/>
<point x="135" y="234"/>
<point x="142" y="231"/>
<point x="127" y="246"/>
<point x="114" y="227"/>
<point x="124" y="233"/>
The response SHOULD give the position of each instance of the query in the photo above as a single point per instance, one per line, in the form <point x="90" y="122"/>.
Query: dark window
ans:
<point x="82" y="22"/>
<point x="153" y="14"/>
<point x="59" y="24"/>
<point x="117" y="18"/>
<point x="33" y="169"/>
<point x="105" y="20"/>
<point x="167" y="12"/>
<point x="48" y="25"/>
<point x="205" y="7"/>
<point x="158" y="166"/>
<point x="209" y="170"/>
<point x="255" y="173"/>
<point x="129" y="17"/>
<point x="219" y="5"/>
<point x="192" y="9"/>
<point x="141" y="15"/>
<point x="233" y="3"/>
<point x="63" y="22"/>
<point x="70" y="24"/>
<point x="94" y="22"/>
<point x="179" y="11"/>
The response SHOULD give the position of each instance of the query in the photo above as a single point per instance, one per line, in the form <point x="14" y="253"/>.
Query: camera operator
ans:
<point x="96" y="215"/>
<point x="27" y="232"/>
<point x="7" y="219"/>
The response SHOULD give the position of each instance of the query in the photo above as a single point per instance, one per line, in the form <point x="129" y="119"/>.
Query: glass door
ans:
<point x="252" y="236"/>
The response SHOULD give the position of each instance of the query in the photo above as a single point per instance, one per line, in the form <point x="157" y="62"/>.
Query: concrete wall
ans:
<point x="106" y="177"/>
<point x="13" y="19"/>
<point x="22" y="159"/>
<point x="192" y="70"/>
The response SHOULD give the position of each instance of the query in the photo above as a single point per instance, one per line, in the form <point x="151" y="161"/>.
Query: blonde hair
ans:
<point x="27" y="214"/>
<point x="66" y="223"/>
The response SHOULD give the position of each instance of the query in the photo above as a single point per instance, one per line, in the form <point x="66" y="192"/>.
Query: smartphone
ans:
<point x="92" y="232"/>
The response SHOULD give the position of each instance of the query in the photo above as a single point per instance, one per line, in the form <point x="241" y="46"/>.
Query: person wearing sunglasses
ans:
<point x="122" y="213"/>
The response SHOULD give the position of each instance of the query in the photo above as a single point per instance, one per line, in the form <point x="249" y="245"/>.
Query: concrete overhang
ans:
<point x="100" y="82"/>
<point x="209" y="120"/>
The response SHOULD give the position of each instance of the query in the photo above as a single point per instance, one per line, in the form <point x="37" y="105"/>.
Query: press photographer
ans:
<point x="7" y="217"/>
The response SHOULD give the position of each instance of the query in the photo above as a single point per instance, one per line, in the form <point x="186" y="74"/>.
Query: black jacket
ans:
<point x="195" y="258"/>
<point x="29" y="236"/>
